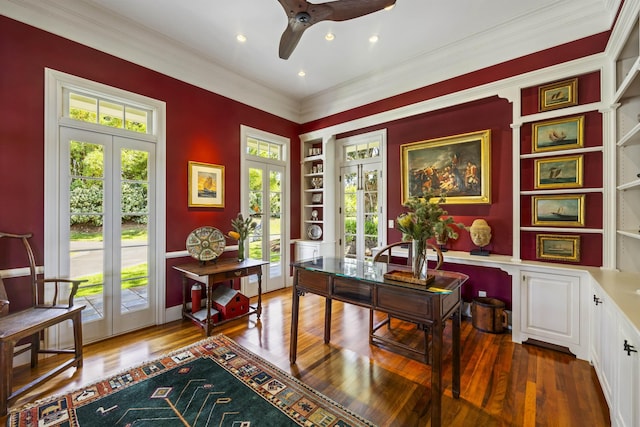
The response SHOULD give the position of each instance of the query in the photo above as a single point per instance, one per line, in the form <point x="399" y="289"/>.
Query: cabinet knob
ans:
<point x="629" y="348"/>
<point x="597" y="300"/>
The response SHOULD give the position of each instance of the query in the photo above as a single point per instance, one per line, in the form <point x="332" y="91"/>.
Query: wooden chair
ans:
<point x="30" y="323"/>
<point x="385" y="255"/>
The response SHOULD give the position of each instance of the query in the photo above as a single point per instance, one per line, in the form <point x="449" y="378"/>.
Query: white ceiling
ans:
<point x="420" y="42"/>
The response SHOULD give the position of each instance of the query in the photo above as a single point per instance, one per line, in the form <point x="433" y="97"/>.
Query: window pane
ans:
<point x="83" y="108"/>
<point x="136" y="119"/>
<point x="111" y="114"/>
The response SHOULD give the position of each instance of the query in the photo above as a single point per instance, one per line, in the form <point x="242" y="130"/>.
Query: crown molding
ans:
<point x="536" y="33"/>
<point x="126" y="40"/>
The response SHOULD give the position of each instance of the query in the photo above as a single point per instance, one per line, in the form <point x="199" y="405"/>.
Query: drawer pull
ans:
<point x="237" y="273"/>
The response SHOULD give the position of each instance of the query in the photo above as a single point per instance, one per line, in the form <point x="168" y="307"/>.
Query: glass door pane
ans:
<point x="350" y="211"/>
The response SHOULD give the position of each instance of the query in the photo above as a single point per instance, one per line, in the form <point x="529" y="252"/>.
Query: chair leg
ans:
<point x="77" y="338"/>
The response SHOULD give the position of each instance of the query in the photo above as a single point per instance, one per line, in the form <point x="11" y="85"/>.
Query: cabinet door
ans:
<point x="603" y="337"/>
<point x="550" y="305"/>
<point x="628" y="385"/>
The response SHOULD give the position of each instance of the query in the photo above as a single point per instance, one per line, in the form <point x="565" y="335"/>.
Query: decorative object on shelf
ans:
<point x="558" y="247"/>
<point x="316" y="182"/>
<point x="316" y="198"/>
<point x="419" y="225"/>
<point x="560" y="134"/>
<point x="314" y="232"/>
<point x="319" y="166"/>
<point x="457" y="165"/>
<point x="314" y="215"/>
<point x="564" y="210"/>
<point x="241" y="229"/>
<point x="205" y="244"/>
<point x="206" y="185"/>
<point x="558" y="95"/>
<point x="480" y="233"/>
<point x="196" y="297"/>
<point x="558" y="172"/>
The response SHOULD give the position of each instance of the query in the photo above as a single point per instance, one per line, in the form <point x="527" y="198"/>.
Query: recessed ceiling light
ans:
<point x="329" y="36"/>
<point x="373" y="39"/>
<point x="241" y="38"/>
<point x="301" y="73"/>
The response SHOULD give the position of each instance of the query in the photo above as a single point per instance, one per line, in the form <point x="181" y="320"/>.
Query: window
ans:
<point x="106" y="112"/>
<point x="264" y="149"/>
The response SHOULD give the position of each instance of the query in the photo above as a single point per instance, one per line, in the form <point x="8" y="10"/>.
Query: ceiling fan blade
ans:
<point x="290" y="39"/>
<point x="349" y="9"/>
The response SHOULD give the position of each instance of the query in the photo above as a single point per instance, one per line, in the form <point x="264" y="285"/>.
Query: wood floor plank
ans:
<point x="503" y="384"/>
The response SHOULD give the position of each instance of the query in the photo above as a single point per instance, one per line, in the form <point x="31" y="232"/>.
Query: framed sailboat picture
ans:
<point x="206" y="185"/>
<point x="565" y="210"/>
<point x="558" y="247"/>
<point x="562" y="134"/>
<point x="558" y="172"/>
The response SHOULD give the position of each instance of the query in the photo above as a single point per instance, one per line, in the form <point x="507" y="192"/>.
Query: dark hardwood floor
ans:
<point x="503" y="384"/>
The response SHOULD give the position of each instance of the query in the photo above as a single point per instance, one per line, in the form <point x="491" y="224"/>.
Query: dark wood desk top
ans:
<point x="222" y="265"/>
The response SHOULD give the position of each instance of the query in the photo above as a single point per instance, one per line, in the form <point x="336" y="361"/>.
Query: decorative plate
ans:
<point x="205" y="243"/>
<point x="314" y="232"/>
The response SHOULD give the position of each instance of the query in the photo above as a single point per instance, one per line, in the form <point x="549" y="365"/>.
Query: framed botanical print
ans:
<point x="206" y="185"/>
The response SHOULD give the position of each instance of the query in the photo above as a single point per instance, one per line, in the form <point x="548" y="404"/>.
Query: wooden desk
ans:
<point x="29" y="323"/>
<point x="363" y="284"/>
<point x="217" y="272"/>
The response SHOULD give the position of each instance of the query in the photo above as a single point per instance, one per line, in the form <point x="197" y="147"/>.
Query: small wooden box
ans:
<point x="488" y="315"/>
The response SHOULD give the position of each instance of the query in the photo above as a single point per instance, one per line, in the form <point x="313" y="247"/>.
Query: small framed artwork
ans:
<point x="316" y="198"/>
<point x="558" y="95"/>
<point x="565" y="210"/>
<point x="558" y="247"/>
<point x="560" y="134"/>
<point x="457" y="165"/>
<point x="206" y="185"/>
<point x="558" y="172"/>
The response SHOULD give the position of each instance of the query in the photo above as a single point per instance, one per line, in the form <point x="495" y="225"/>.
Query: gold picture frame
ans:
<point x="558" y="172"/>
<point x="206" y="185"/>
<point x="457" y="165"/>
<point x="562" y="134"/>
<point x="566" y="210"/>
<point x="558" y="95"/>
<point x="558" y="247"/>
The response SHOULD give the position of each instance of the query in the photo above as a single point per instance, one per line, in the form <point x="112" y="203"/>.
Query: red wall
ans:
<point x="201" y="126"/>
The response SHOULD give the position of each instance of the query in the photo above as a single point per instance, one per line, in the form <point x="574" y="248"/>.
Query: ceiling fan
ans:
<point x="303" y="14"/>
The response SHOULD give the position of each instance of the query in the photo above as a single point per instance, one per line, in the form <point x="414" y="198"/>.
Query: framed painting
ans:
<point x="206" y="185"/>
<point x="558" y="247"/>
<point x="457" y="166"/>
<point x="558" y="134"/>
<point x="565" y="210"/>
<point x="558" y="172"/>
<point x="558" y="95"/>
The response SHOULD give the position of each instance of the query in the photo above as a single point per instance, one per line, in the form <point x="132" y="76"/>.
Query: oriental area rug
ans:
<point x="215" y="382"/>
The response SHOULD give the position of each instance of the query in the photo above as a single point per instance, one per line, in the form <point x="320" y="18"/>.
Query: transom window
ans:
<point x="107" y="112"/>
<point x="264" y="149"/>
<point x="364" y="150"/>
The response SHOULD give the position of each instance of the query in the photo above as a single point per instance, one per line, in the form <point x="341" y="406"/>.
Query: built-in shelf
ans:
<point x="631" y="137"/>
<point x="629" y="185"/>
<point x="630" y="233"/>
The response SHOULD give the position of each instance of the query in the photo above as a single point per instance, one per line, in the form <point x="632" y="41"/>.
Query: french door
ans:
<point x="266" y="201"/>
<point x="106" y="228"/>
<point x="361" y="224"/>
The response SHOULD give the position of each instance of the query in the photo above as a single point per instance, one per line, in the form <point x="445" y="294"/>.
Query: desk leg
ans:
<point x="77" y="338"/>
<point x="259" y="307"/>
<point x="6" y="372"/>
<point x="295" y="304"/>
<point x="209" y="324"/>
<point x="436" y="366"/>
<point x="455" y="335"/>
<point x="327" y="320"/>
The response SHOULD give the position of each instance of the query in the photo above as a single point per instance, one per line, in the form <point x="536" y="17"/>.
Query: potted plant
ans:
<point x="425" y="220"/>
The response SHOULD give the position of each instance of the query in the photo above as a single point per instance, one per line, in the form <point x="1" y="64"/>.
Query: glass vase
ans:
<point x="241" y="250"/>
<point x="419" y="248"/>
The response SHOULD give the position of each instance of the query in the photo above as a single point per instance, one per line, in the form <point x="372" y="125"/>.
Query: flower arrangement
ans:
<point x="426" y="219"/>
<point x="241" y="229"/>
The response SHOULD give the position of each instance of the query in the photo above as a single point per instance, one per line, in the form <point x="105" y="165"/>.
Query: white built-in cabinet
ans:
<point x="317" y="234"/>
<point x="627" y="127"/>
<point x="614" y="347"/>
<point x="552" y="310"/>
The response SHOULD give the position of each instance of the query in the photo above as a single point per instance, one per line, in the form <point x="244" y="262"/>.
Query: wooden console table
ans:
<point x="362" y="283"/>
<point x="217" y="272"/>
